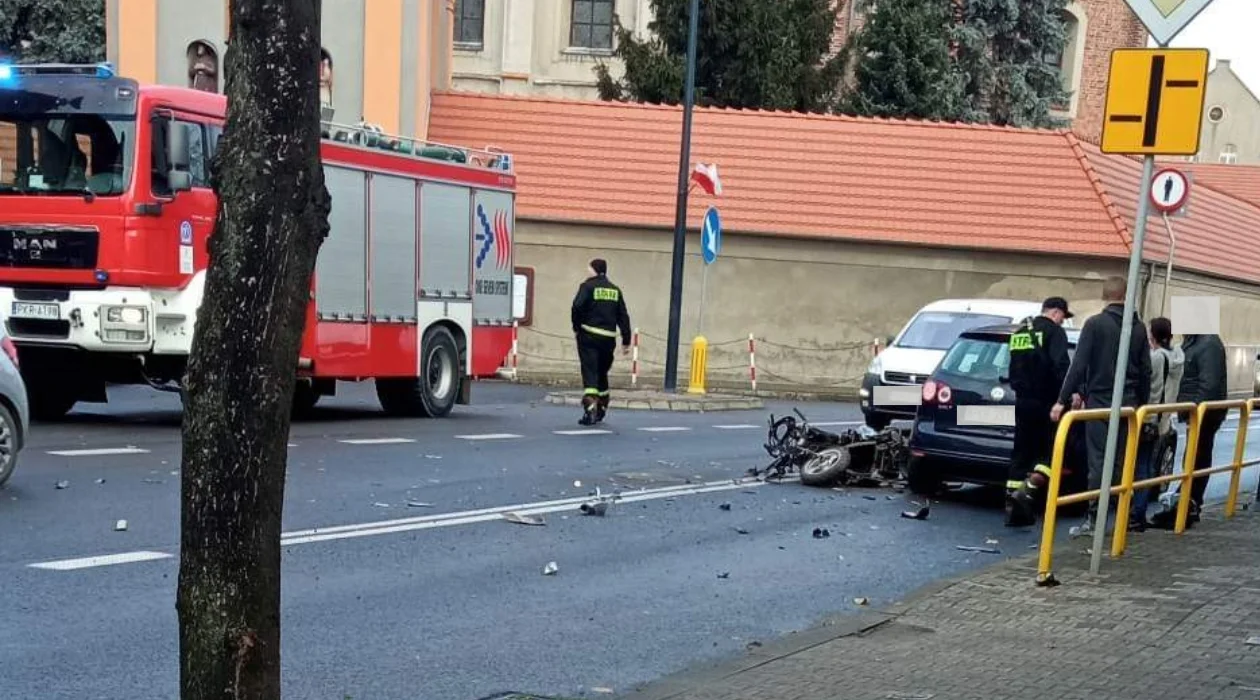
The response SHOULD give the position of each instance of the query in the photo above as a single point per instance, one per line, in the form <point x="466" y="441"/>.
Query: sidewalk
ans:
<point x="1170" y="619"/>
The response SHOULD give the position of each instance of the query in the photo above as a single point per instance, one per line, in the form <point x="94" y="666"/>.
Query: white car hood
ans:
<point x="918" y="362"/>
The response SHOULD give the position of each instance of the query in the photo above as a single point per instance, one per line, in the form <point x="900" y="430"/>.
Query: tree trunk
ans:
<point x="273" y="215"/>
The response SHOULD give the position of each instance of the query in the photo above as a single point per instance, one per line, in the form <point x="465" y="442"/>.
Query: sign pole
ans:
<point x="1122" y="366"/>
<point x="680" y="214"/>
<point x="1172" y="252"/>
<point x="704" y="286"/>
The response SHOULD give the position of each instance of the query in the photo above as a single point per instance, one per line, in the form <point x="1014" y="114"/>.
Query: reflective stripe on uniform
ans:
<point x="604" y="394"/>
<point x="1043" y="469"/>
<point x="599" y="331"/>
<point x="592" y="392"/>
<point x="1014" y="484"/>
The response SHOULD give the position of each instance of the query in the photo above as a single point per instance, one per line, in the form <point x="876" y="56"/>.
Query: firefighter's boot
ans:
<point x="1021" y="502"/>
<point x="589" y="409"/>
<point x="601" y="408"/>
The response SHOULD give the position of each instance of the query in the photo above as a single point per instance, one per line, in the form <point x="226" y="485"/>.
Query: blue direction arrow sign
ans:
<point x="711" y="235"/>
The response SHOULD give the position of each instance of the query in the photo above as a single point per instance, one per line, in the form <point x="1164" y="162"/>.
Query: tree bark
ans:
<point x="272" y="218"/>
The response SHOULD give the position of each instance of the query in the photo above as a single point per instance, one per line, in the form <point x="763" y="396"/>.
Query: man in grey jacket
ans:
<point x="1204" y="380"/>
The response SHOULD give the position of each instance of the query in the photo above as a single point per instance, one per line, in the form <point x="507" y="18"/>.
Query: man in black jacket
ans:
<point x="1039" y="364"/>
<point x="599" y="310"/>
<point x="1094" y="368"/>
<point x="1204" y="380"/>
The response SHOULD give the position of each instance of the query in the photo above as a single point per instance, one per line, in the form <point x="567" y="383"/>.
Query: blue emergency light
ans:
<point x="6" y="72"/>
<point x="10" y="71"/>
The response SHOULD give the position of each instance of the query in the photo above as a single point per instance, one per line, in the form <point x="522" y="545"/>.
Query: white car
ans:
<point x="15" y="415"/>
<point x="916" y="351"/>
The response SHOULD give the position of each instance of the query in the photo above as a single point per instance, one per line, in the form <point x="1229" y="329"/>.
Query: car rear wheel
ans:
<point x="825" y="467"/>
<point x="922" y="478"/>
<point x="8" y="444"/>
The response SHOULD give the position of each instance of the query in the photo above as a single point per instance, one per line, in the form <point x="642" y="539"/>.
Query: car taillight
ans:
<point x="934" y="391"/>
<point x="9" y="349"/>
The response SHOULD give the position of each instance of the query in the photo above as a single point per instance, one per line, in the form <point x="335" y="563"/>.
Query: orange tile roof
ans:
<point x="835" y="177"/>
<point x="1220" y="234"/>
<point x="1241" y="181"/>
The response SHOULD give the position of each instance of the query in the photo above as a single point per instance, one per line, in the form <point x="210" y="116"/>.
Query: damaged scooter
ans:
<point x="860" y="457"/>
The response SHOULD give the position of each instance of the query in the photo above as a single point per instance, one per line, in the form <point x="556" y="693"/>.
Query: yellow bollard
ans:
<point x="699" y="364"/>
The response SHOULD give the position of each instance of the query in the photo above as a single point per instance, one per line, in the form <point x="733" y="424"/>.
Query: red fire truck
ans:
<point x="105" y="208"/>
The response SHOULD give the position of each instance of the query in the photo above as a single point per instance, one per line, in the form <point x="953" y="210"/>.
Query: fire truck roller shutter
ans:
<point x="445" y="254"/>
<point x="393" y="244"/>
<point x="341" y="268"/>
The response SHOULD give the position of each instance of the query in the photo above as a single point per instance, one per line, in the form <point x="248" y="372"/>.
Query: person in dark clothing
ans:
<point x="1039" y="365"/>
<point x="1094" y="368"/>
<point x="1204" y="379"/>
<point x="599" y="310"/>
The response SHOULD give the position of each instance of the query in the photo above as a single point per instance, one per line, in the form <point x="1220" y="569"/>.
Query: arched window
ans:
<point x="325" y="77"/>
<point x="203" y="67"/>
<point x="1067" y="58"/>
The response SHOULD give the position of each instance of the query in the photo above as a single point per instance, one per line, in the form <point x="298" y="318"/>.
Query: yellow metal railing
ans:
<point x="1045" y="577"/>
<point x="1127" y="486"/>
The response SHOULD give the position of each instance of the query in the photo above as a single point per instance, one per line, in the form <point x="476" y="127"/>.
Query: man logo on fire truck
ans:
<point x="96" y="174"/>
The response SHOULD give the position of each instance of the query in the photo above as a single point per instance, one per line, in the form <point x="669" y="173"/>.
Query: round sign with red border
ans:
<point x="1169" y="190"/>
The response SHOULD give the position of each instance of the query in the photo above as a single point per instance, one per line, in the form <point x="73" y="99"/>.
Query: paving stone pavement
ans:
<point x="1170" y="619"/>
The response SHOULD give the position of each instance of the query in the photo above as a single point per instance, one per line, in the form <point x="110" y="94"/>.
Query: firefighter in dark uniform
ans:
<point x="599" y="311"/>
<point x="1039" y="364"/>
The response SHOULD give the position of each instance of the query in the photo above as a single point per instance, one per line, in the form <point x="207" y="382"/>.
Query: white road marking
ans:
<point x="666" y="429"/>
<point x="429" y="522"/>
<point x="583" y="432"/>
<point x="376" y="441"/>
<point x="105" y="560"/>
<point x="387" y="527"/>
<point x="101" y="452"/>
<point x="489" y="436"/>
<point x="740" y="426"/>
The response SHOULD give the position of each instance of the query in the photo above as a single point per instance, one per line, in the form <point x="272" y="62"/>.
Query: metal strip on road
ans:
<point x="104" y="560"/>
<point x="376" y="441"/>
<point x="489" y="436"/>
<point x="666" y="429"/>
<point x="582" y="432"/>
<point x="424" y="522"/>
<point x="741" y="426"/>
<point x="100" y="452"/>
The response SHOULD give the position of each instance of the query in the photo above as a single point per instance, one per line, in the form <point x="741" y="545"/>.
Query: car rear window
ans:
<point x="937" y="330"/>
<point x="979" y="358"/>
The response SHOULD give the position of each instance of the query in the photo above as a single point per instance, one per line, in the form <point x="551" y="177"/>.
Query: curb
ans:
<point x="660" y="402"/>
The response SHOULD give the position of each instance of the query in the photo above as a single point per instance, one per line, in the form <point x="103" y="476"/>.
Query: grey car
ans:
<point x="15" y="415"/>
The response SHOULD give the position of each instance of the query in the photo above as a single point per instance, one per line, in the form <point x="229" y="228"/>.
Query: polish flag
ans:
<point x="707" y="177"/>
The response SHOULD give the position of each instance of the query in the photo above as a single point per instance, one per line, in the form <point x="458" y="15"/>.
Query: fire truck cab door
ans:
<point x="180" y="233"/>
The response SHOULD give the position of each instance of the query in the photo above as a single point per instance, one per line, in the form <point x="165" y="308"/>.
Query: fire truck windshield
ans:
<point x="51" y="144"/>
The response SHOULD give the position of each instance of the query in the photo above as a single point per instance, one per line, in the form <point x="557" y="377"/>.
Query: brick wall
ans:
<point x="1110" y="24"/>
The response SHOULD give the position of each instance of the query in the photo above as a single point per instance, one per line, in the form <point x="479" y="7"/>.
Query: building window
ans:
<point x="1215" y="114"/>
<point x="1063" y="58"/>
<point x="203" y="67"/>
<point x="591" y="26"/>
<point x="1229" y="154"/>
<point x="470" y="23"/>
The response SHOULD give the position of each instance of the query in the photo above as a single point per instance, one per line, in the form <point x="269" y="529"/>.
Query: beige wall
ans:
<point x="815" y="306"/>
<point x="525" y="49"/>
<point x="386" y="81"/>
<point x="1239" y="126"/>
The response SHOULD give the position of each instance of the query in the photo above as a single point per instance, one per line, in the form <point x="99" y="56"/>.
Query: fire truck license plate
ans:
<point x="26" y="309"/>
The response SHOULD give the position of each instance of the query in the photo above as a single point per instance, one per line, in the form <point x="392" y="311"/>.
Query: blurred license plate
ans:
<point x="26" y="309"/>
<point x="993" y="416"/>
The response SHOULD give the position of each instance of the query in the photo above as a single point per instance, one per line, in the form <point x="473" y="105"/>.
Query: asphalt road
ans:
<point x="403" y="580"/>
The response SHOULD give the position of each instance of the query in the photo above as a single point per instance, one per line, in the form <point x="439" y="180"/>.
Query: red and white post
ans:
<point x="752" y="361"/>
<point x="634" y="360"/>
<point x="515" y="347"/>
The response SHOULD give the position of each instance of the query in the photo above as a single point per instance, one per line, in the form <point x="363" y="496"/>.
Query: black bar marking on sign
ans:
<point x="1154" y="94"/>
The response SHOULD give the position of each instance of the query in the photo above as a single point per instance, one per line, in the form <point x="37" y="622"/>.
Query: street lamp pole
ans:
<point x="680" y="214"/>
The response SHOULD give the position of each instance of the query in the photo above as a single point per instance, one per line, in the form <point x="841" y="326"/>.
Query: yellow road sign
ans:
<point x="1155" y="101"/>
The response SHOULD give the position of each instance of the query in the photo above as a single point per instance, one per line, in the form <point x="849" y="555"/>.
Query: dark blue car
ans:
<point x="964" y="426"/>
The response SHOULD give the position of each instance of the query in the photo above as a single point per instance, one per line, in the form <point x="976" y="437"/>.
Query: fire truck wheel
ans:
<point x="304" y="398"/>
<point x="433" y="394"/>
